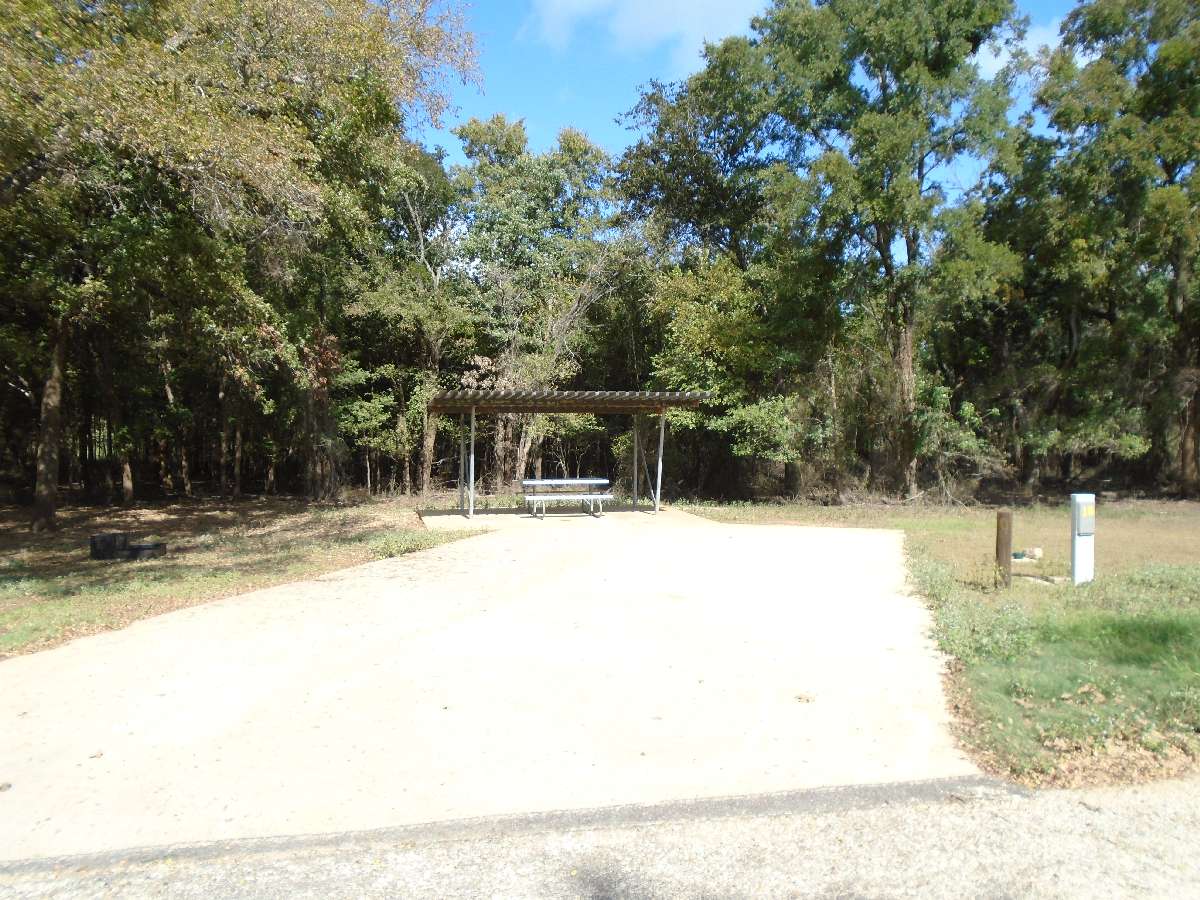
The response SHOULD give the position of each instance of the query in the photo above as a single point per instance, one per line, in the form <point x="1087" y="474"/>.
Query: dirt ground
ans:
<point x="51" y="592"/>
<point x="565" y="664"/>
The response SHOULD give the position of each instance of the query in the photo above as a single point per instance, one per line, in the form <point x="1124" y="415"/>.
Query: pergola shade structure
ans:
<point x="467" y="403"/>
<point x="463" y="402"/>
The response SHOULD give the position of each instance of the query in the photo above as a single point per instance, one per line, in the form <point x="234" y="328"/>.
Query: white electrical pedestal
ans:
<point x="1083" y="538"/>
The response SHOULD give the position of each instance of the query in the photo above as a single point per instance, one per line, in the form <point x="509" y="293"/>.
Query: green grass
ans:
<point x="50" y="591"/>
<point x="1051" y="674"/>
<point x="398" y="543"/>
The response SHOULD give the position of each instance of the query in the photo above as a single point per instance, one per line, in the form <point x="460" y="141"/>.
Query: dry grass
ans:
<point x="51" y="592"/>
<point x="1133" y="533"/>
<point x="1055" y="684"/>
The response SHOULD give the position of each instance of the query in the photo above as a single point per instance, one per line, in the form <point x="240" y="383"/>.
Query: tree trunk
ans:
<point x="403" y="458"/>
<point x="185" y="475"/>
<point x="126" y="480"/>
<point x="428" y="441"/>
<point x="322" y="467"/>
<point x="1030" y="472"/>
<point x="429" y="429"/>
<point x="69" y="454"/>
<point x="791" y="478"/>
<point x="906" y="426"/>
<point x="1187" y="373"/>
<point x="367" y="460"/>
<point x="119" y="445"/>
<point x="164" y="465"/>
<point x="180" y="476"/>
<point x="500" y="460"/>
<point x="1180" y="390"/>
<point x="524" y="446"/>
<point x="87" y="449"/>
<point x="223" y="450"/>
<point x="237" y="460"/>
<point x="45" y="504"/>
<point x="110" y="489"/>
<point x="1189" y="447"/>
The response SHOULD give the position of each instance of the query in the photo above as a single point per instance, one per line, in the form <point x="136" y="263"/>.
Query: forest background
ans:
<point x="228" y="264"/>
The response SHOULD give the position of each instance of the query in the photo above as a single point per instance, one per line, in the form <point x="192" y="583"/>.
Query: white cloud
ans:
<point x="992" y="59"/>
<point x="639" y="25"/>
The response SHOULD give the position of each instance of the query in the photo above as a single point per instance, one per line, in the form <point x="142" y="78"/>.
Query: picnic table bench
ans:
<point x="590" y="493"/>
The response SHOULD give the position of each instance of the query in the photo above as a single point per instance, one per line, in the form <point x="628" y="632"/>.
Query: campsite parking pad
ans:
<point x="563" y="664"/>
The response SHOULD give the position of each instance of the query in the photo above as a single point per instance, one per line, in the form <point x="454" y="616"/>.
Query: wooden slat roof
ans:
<point x="562" y="401"/>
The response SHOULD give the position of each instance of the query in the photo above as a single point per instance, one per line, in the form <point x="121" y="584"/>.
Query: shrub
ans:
<point x="399" y="543"/>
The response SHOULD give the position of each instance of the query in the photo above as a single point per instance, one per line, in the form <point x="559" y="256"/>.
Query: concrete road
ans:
<point x="951" y="838"/>
<point x="567" y="664"/>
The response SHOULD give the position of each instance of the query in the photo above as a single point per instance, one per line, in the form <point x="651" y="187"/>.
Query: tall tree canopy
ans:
<point x="1129" y="120"/>
<point x="820" y="148"/>
<point x="180" y="169"/>
<point x="227" y="263"/>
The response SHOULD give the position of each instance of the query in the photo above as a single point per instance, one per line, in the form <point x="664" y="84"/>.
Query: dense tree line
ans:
<point x="228" y="265"/>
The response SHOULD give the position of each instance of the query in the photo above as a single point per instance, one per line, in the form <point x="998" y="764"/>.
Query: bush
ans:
<point x="399" y="543"/>
<point x="975" y="631"/>
<point x="966" y="625"/>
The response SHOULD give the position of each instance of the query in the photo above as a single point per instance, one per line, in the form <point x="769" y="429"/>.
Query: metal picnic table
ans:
<point x="541" y="490"/>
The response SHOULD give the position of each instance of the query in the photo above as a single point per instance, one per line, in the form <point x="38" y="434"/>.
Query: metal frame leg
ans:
<point x="662" y="430"/>
<point x="635" y="462"/>
<point x="462" y="461"/>
<point x="471" y="473"/>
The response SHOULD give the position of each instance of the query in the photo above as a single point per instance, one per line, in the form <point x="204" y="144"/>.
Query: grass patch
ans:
<point x="50" y="591"/>
<point x="398" y="543"/>
<point x="1055" y="684"/>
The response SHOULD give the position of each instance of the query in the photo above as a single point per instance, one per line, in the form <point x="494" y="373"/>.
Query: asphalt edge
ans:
<point x="814" y="801"/>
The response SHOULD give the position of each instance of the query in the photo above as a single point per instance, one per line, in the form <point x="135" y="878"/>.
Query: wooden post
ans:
<point x="1004" y="521"/>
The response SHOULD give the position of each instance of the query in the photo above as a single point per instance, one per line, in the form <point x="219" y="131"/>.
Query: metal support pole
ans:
<point x="462" y="461"/>
<point x="471" y="470"/>
<point x="635" y="462"/>
<point x="662" y="430"/>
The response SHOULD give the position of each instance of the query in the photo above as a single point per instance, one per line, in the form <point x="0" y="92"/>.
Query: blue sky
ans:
<point x="580" y="63"/>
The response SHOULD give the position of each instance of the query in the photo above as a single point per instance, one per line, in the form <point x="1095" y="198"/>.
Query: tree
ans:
<point x="696" y="171"/>
<point x="226" y="110"/>
<point x="431" y="296"/>
<point x="816" y="150"/>
<point x="873" y="103"/>
<point x="1058" y="354"/>
<point x="225" y="263"/>
<point x="540" y="257"/>
<point x="1129" y="120"/>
